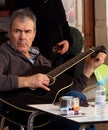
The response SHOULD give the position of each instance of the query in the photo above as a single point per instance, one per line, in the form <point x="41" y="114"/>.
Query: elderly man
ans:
<point x="17" y="57"/>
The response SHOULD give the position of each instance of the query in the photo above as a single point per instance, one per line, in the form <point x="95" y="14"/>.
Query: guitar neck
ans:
<point x="70" y="63"/>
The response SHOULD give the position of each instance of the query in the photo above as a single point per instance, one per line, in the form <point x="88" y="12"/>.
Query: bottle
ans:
<point x="100" y="100"/>
<point x="106" y="85"/>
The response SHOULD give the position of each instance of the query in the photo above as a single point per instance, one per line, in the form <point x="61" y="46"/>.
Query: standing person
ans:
<point x="17" y="57"/>
<point x="52" y="29"/>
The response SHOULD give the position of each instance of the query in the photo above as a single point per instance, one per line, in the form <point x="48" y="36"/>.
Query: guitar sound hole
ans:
<point x="52" y="80"/>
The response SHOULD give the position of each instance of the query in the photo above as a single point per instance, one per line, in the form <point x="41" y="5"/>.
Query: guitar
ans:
<point x="13" y="104"/>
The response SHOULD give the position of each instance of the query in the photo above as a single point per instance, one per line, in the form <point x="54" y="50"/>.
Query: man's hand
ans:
<point x="94" y="63"/>
<point x="35" y="81"/>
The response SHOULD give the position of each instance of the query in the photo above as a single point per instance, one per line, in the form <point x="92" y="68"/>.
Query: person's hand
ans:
<point x="35" y="81"/>
<point x="65" y="47"/>
<point x="98" y="60"/>
<point x="94" y="63"/>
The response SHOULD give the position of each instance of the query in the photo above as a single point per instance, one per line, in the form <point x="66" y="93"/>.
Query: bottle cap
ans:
<point x="101" y="82"/>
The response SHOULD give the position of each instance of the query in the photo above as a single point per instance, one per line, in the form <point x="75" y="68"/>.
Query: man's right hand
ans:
<point x="35" y="81"/>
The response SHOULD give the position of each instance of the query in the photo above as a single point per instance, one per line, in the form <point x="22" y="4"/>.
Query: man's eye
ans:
<point x="28" y="31"/>
<point x="16" y="30"/>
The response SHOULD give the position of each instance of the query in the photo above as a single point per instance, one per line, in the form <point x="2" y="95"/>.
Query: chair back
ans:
<point x="101" y="73"/>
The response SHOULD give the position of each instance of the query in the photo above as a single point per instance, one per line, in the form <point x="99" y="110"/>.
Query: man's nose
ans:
<point x="22" y="35"/>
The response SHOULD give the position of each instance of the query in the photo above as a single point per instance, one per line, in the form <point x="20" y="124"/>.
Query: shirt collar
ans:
<point x="33" y="51"/>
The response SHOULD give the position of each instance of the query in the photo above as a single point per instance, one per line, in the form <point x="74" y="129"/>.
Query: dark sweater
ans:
<point x="14" y="64"/>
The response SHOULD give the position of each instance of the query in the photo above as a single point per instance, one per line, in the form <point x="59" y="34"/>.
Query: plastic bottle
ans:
<point x="100" y="100"/>
<point x="106" y="85"/>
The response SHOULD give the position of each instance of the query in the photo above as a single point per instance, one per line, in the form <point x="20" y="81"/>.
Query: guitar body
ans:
<point x="13" y="104"/>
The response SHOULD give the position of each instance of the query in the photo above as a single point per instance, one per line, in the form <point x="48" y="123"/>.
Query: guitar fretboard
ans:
<point x="70" y="63"/>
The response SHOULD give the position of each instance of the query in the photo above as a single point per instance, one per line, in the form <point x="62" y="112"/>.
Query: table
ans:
<point x="87" y="119"/>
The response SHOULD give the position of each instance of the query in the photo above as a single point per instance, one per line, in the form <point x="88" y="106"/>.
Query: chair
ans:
<point x="78" y="40"/>
<point x="101" y="73"/>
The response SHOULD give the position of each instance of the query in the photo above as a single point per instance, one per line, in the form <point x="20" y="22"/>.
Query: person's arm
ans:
<point x="67" y="33"/>
<point x="67" y="41"/>
<point x="80" y="82"/>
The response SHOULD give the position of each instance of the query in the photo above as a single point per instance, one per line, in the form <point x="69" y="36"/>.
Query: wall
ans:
<point x="79" y="14"/>
<point x="101" y="23"/>
<point x="70" y="8"/>
<point x="73" y="10"/>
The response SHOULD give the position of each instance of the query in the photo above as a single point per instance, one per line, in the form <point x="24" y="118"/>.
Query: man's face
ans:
<point x="22" y="34"/>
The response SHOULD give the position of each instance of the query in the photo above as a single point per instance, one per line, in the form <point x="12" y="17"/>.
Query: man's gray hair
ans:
<point x="22" y="14"/>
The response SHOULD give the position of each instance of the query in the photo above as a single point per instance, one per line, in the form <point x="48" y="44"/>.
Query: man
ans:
<point x="53" y="29"/>
<point x="17" y="57"/>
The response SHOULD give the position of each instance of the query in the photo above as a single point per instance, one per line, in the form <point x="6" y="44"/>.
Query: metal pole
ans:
<point x="31" y="119"/>
<point x="2" y="123"/>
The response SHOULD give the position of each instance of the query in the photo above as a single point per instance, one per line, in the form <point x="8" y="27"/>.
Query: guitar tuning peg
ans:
<point x="97" y="50"/>
<point x="103" y="49"/>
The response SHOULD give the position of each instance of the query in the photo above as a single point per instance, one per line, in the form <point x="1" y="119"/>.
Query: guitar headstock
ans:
<point x="97" y="50"/>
